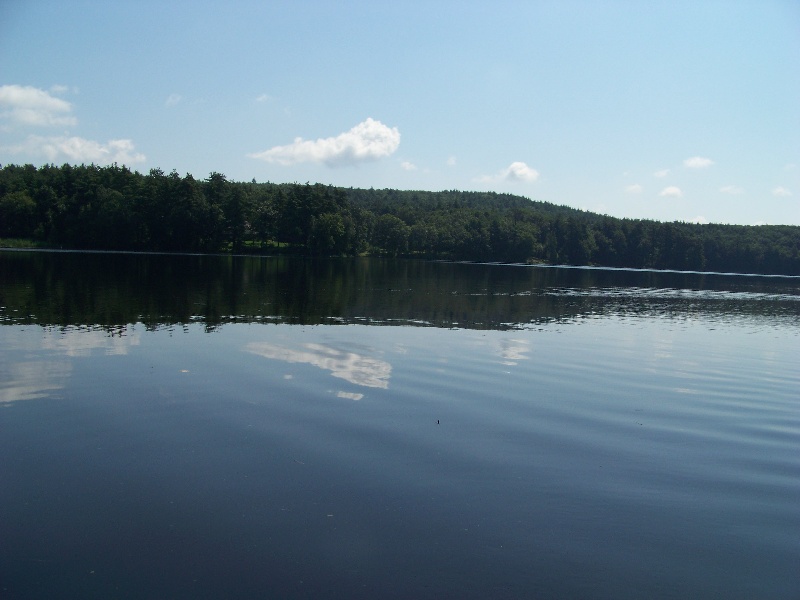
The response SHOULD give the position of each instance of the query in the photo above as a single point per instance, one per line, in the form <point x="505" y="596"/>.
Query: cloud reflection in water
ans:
<point x="513" y="351"/>
<point x="352" y="367"/>
<point x="33" y="379"/>
<point x="81" y="342"/>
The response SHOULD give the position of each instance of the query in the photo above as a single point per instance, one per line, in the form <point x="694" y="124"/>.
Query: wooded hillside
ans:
<point x="114" y="208"/>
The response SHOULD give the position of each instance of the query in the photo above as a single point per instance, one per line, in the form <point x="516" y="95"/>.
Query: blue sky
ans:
<point x="667" y="110"/>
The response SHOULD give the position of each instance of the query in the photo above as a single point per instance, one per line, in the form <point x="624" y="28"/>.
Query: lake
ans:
<point x="241" y="427"/>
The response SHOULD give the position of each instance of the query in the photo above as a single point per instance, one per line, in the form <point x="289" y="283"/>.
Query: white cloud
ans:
<point x="734" y="190"/>
<point x="516" y="171"/>
<point x="519" y="171"/>
<point x="699" y="220"/>
<point x="781" y="192"/>
<point x="698" y="162"/>
<point x="408" y="166"/>
<point x="79" y="150"/>
<point x="634" y="189"/>
<point x="172" y="100"/>
<point x="451" y="161"/>
<point x="26" y="105"/>
<point x="671" y="192"/>
<point x="369" y="140"/>
<point x="264" y="98"/>
<point x="661" y="173"/>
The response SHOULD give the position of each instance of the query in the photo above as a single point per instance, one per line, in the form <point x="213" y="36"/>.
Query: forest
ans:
<point x="92" y="207"/>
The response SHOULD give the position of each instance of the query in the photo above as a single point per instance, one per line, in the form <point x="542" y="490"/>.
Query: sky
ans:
<point x="669" y="110"/>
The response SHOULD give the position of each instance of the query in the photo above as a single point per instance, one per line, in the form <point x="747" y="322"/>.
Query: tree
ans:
<point x="391" y="235"/>
<point x="328" y="235"/>
<point x="17" y="214"/>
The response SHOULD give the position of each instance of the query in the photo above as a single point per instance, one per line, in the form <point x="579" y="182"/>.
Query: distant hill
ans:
<point x="113" y="208"/>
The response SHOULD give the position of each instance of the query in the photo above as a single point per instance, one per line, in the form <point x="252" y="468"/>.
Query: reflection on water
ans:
<point x="31" y="379"/>
<point x="73" y="341"/>
<point x="513" y="350"/>
<point x="518" y="432"/>
<point x="352" y="367"/>
<point x="35" y="365"/>
<point x="113" y="290"/>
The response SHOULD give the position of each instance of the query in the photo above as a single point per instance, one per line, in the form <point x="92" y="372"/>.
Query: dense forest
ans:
<point x="114" y="208"/>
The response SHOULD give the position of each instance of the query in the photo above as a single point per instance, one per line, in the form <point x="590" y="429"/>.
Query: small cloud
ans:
<point x="26" y="105"/>
<point x="264" y="98"/>
<point x="516" y="171"/>
<point x="634" y="189"/>
<point x="698" y="162"/>
<point x="671" y="192"/>
<point x="172" y="100"/>
<point x="451" y="161"/>
<point x="59" y="89"/>
<point x="781" y="192"/>
<point x="519" y="171"/>
<point x="699" y="220"/>
<point x="408" y="166"/>
<point x="79" y="150"/>
<point x="662" y="173"/>
<point x="734" y="190"/>
<point x="369" y="140"/>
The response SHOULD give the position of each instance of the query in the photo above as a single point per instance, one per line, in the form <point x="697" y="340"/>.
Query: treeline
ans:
<point x="114" y="208"/>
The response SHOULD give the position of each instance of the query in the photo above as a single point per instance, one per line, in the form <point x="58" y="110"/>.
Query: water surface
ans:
<point x="206" y="427"/>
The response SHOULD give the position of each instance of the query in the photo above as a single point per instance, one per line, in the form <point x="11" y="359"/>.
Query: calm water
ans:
<point x="217" y="427"/>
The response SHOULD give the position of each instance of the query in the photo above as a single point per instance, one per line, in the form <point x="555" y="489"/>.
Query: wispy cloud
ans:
<point x="734" y="190"/>
<point x="26" y="105"/>
<point x="699" y="220"/>
<point x="264" y="98"/>
<point x="451" y="161"/>
<point x="661" y="173"/>
<point x="634" y="189"/>
<point x="516" y="171"/>
<point x="408" y="166"/>
<point x="671" y="192"/>
<point x="173" y="100"/>
<point x="698" y="162"/>
<point x="781" y="192"/>
<point x="79" y="150"/>
<point x="369" y="140"/>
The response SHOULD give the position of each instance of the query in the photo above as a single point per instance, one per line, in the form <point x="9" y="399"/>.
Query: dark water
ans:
<point x="217" y="427"/>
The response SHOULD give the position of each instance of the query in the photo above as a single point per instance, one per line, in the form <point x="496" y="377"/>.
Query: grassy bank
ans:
<point x="21" y="243"/>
